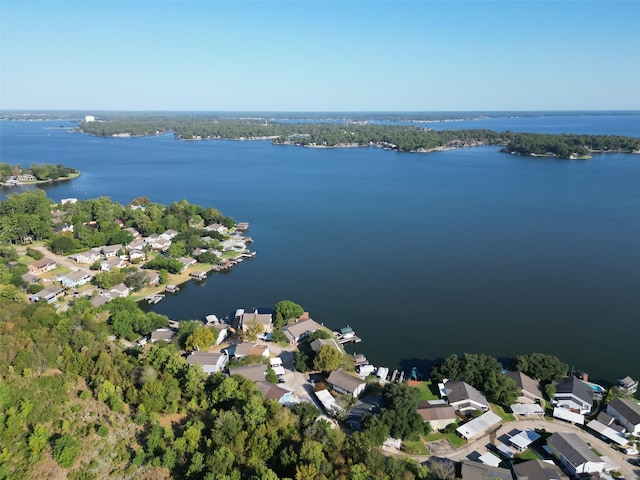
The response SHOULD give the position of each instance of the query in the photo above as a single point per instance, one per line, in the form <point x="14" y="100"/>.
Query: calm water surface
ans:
<point x="424" y="255"/>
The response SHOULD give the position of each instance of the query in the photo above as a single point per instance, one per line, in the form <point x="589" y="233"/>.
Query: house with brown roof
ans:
<point x="42" y="266"/>
<point x="275" y="392"/>
<point x="439" y="415"/>
<point x="243" y="350"/>
<point x="531" y="391"/>
<point x="263" y="319"/>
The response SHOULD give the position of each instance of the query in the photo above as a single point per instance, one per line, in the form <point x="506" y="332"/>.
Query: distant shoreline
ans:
<point x="39" y="182"/>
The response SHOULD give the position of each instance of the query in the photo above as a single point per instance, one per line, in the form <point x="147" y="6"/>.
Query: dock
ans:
<point x="153" y="299"/>
<point x="346" y="335"/>
<point x="199" y="276"/>
<point x="171" y="288"/>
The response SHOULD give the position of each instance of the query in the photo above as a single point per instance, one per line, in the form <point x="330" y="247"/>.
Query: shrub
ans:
<point x="103" y="431"/>
<point x="65" y="450"/>
<point x="35" y="254"/>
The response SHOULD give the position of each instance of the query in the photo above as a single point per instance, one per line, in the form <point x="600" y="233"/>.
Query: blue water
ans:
<point x="423" y="255"/>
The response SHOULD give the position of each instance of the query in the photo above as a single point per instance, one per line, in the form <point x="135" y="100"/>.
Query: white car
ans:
<point x="631" y="451"/>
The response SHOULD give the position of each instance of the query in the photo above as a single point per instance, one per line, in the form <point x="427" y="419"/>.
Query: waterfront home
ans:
<point x="42" y="266"/>
<point x="210" y="362"/>
<point x="256" y="372"/>
<point x="574" y="454"/>
<point x="531" y="392"/>
<point x="573" y="394"/>
<point x="162" y="334"/>
<point x="538" y="470"/>
<point x="263" y="319"/>
<point x="111" y="263"/>
<point x="49" y="294"/>
<point x="439" y="415"/>
<point x="480" y="471"/>
<point x="464" y="398"/>
<point x="318" y="343"/>
<point x="120" y="290"/>
<point x="299" y="329"/>
<point x="75" y="279"/>
<point x="627" y="412"/>
<point x="152" y="277"/>
<point x="347" y="384"/>
<point x="187" y="261"/>
<point x="479" y="426"/>
<point x="627" y="385"/>
<point x="88" y="257"/>
<point x="216" y="227"/>
<point x="221" y="332"/>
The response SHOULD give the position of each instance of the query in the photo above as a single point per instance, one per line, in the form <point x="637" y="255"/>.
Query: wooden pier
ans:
<point x="153" y="299"/>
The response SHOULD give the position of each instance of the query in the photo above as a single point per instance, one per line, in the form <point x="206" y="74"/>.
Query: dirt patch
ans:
<point x="173" y="419"/>
<point x="440" y="448"/>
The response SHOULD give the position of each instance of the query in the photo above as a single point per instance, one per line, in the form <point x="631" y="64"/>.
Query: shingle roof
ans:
<point x="573" y="448"/>
<point x="344" y="381"/>
<point x="576" y="387"/>
<point x="627" y="408"/>
<point x="256" y="372"/>
<point x="526" y="383"/>
<point x="538" y="470"/>
<point x="458" y="391"/>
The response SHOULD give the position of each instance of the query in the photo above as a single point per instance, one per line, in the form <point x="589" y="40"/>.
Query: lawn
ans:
<point x="528" y="455"/>
<point x="427" y="391"/>
<point x="498" y="410"/>
<point x="454" y="439"/>
<point x="415" y="447"/>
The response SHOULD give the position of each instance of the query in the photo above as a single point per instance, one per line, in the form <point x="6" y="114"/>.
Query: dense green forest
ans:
<point x="41" y="171"/>
<point x="400" y="138"/>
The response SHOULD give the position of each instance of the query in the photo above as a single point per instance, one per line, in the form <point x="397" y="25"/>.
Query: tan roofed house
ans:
<point x="42" y="266"/>
<point x="299" y="330"/>
<point x="263" y="319"/>
<point x="344" y="383"/>
<point x="439" y="415"/>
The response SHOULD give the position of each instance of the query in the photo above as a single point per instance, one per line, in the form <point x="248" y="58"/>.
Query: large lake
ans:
<point x="423" y="255"/>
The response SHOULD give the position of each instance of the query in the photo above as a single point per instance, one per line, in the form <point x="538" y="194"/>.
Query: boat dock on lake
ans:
<point x="153" y="299"/>
<point x="346" y="335"/>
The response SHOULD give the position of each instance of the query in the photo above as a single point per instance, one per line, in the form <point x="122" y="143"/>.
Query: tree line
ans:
<point x="395" y="137"/>
<point x="41" y="171"/>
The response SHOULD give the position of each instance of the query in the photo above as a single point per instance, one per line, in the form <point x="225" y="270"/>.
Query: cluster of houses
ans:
<point x="118" y="256"/>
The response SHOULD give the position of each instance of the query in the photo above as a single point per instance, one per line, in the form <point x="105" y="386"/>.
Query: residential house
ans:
<point x="627" y="385"/>
<point x="136" y="244"/>
<point x="110" y="251"/>
<point x="243" y="350"/>
<point x="222" y="331"/>
<point x="275" y="392"/>
<point x="169" y="234"/>
<point x="49" y="294"/>
<point x="152" y="277"/>
<point x="523" y="439"/>
<point x="132" y="231"/>
<point x="531" y="392"/>
<point x="347" y="384"/>
<point x="574" y="454"/>
<point x="42" y="266"/>
<point x="605" y="426"/>
<point x="299" y="329"/>
<point x="75" y="279"/>
<point x="216" y="227"/>
<point x="464" y="397"/>
<point x="111" y="263"/>
<point x="256" y="372"/>
<point x="137" y="254"/>
<point x="573" y="394"/>
<point x="480" y="471"/>
<point x="120" y="290"/>
<point x="627" y="412"/>
<point x="100" y="300"/>
<point x="187" y="261"/>
<point x="479" y="426"/>
<point x="63" y="227"/>
<point x="162" y="334"/>
<point x="263" y="319"/>
<point x="161" y="244"/>
<point x="211" y="362"/>
<point x="439" y="415"/>
<point x="318" y="343"/>
<point x="538" y="470"/>
<point x="87" y="257"/>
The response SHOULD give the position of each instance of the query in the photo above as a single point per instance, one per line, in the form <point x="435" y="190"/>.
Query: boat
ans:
<point x="171" y="288"/>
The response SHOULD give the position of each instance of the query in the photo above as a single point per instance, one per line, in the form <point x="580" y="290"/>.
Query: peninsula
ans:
<point x="341" y="134"/>
<point x="37" y="173"/>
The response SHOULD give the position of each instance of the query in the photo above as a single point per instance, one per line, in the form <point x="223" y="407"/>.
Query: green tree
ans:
<point x="543" y="367"/>
<point x="286" y="310"/>
<point x="65" y="450"/>
<point x="251" y="330"/>
<point x="201" y="338"/>
<point x="327" y="359"/>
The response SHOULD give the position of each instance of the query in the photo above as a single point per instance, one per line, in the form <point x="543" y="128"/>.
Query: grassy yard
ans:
<point x="415" y="447"/>
<point x="453" y="438"/>
<point x="528" y="455"/>
<point x="427" y="390"/>
<point x="498" y="410"/>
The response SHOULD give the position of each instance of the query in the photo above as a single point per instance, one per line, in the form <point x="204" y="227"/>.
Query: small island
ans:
<point x="37" y="173"/>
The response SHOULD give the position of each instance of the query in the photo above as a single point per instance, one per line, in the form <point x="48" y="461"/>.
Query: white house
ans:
<point x="479" y="425"/>
<point x="464" y="397"/>
<point x="87" y="257"/>
<point x="573" y="394"/>
<point x="75" y="279"/>
<point x="211" y="362"/>
<point x="627" y="412"/>
<point x="574" y="454"/>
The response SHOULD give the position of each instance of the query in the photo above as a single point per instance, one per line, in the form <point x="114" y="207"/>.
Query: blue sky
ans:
<point x="320" y="55"/>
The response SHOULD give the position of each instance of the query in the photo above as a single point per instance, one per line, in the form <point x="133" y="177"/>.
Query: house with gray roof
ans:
<point x="538" y="470"/>
<point x="480" y="471"/>
<point x="275" y="392"/>
<point x="627" y="412"/>
<point x="256" y="372"/>
<point x="531" y="392"/>
<point x="347" y="384"/>
<point x="211" y="362"/>
<point x="263" y="319"/>
<point x="162" y="334"/>
<point x="75" y="279"/>
<point x="298" y="330"/>
<point x="573" y="394"/>
<point x="464" y="397"/>
<point x="574" y="454"/>
<point x="318" y="343"/>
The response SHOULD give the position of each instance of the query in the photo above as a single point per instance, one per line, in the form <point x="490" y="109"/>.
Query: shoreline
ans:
<point x="38" y="182"/>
